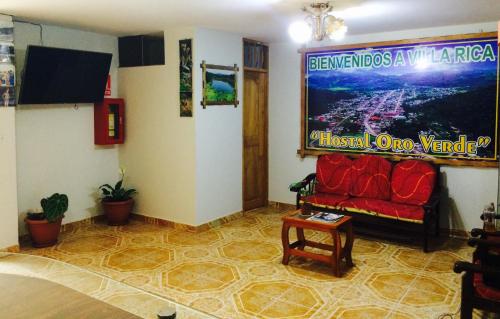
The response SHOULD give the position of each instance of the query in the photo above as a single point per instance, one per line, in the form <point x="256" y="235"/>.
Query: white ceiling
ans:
<point x="261" y="19"/>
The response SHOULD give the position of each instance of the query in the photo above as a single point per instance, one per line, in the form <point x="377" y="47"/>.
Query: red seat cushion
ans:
<point x="371" y="177"/>
<point x="333" y="174"/>
<point x="324" y="200"/>
<point x="483" y="290"/>
<point x="384" y="208"/>
<point x="412" y="182"/>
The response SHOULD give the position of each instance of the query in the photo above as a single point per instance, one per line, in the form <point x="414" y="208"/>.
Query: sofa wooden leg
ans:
<point x="467" y="293"/>
<point x="437" y="230"/>
<point x="425" y="242"/>
<point x="465" y="310"/>
<point x="436" y="217"/>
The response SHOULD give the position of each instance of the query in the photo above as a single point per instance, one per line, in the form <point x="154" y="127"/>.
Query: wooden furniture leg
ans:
<point x="349" y="241"/>
<point x="301" y="238"/>
<point x="438" y="228"/>
<point x="285" y="239"/>
<point x="467" y="291"/>
<point x="336" y="253"/>
<point x="425" y="233"/>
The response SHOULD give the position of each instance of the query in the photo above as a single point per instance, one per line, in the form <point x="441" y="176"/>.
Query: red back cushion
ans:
<point x="412" y="182"/>
<point x="371" y="177"/>
<point x="333" y="174"/>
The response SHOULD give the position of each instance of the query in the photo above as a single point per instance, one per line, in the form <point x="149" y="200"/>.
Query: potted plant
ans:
<point x="117" y="202"/>
<point x="44" y="227"/>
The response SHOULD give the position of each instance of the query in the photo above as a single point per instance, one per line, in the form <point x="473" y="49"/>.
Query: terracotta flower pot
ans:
<point x="43" y="233"/>
<point x="117" y="213"/>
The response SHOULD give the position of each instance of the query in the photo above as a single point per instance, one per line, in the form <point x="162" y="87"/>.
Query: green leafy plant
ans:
<point x="53" y="208"/>
<point x="117" y="193"/>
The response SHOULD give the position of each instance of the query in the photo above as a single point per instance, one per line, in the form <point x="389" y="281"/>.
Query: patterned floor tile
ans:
<point x="88" y="244"/>
<point x="250" y="250"/>
<point x="234" y="270"/>
<point x="138" y="258"/>
<point x="200" y="276"/>
<point x="277" y="299"/>
<point x="368" y="312"/>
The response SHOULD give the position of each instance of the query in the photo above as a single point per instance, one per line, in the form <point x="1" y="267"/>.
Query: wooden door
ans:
<point x="255" y="167"/>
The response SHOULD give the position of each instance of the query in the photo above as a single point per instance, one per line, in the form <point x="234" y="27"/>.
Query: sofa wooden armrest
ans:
<point x="483" y="243"/>
<point x="478" y="232"/>
<point x="461" y="266"/>
<point x="304" y="186"/>
<point x="297" y="187"/>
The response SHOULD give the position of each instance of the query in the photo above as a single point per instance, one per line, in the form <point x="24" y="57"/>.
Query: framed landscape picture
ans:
<point x="434" y="98"/>
<point x="220" y="85"/>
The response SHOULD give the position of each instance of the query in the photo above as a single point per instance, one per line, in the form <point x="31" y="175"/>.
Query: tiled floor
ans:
<point x="118" y="294"/>
<point x="235" y="271"/>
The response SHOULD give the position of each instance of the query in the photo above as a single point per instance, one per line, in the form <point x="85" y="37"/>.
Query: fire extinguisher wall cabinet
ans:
<point x="109" y="122"/>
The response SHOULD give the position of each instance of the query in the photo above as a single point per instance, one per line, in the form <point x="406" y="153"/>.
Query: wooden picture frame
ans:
<point x="458" y="161"/>
<point x="226" y="91"/>
<point x="185" y="78"/>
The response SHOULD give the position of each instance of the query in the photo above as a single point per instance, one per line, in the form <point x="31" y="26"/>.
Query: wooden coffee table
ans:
<point x="297" y="248"/>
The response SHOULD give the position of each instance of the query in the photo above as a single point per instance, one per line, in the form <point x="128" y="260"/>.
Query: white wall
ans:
<point x="55" y="143"/>
<point x="8" y="182"/>
<point x="218" y="132"/>
<point x="187" y="170"/>
<point x="8" y="190"/>
<point x="467" y="189"/>
<point x="159" y="151"/>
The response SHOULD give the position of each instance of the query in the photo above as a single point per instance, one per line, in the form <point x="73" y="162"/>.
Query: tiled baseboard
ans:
<point x="11" y="249"/>
<point x="281" y="206"/>
<point x="69" y="226"/>
<point x="88" y="221"/>
<point x="163" y="222"/>
<point x="171" y="224"/>
<point x="455" y="233"/>
<point x="146" y="219"/>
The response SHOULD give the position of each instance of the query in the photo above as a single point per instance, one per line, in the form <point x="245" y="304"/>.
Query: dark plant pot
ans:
<point x="43" y="233"/>
<point x="117" y="213"/>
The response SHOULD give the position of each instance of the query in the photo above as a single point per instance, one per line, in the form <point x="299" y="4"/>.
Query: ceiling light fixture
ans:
<point x="318" y="24"/>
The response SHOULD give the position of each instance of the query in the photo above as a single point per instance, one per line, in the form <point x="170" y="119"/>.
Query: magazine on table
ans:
<point x="326" y="217"/>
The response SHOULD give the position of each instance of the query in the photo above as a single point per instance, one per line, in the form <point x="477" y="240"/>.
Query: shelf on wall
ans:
<point x="255" y="55"/>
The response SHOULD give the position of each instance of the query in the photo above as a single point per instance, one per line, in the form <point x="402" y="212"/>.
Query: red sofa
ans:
<point x="375" y="191"/>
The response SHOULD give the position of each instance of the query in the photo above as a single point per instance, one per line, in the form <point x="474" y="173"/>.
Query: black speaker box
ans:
<point x="141" y="50"/>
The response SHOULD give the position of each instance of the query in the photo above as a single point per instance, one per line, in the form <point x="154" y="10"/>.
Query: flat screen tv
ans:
<point x="53" y="76"/>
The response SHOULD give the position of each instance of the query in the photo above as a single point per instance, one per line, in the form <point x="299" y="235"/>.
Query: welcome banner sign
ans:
<point x="436" y="98"/>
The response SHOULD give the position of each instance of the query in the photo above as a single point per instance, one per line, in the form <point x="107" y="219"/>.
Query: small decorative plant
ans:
<point x="44" y="227"/>
<point x="117" y="193"/>
<point x="117" y="201"/>
<point x="53" y="208"/>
